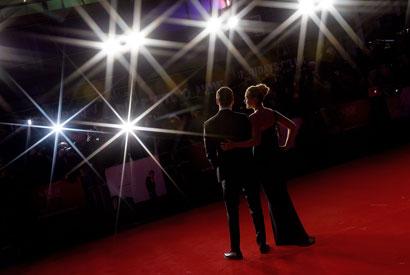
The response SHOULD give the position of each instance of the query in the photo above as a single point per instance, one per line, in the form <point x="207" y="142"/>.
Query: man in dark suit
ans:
<point x="234" y="168"/>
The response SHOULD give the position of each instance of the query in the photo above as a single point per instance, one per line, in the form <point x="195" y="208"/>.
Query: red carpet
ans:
<point x="359" y="213"/>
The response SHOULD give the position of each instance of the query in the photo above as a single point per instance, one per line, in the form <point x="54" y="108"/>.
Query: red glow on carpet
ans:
<point x="359" y="213"/>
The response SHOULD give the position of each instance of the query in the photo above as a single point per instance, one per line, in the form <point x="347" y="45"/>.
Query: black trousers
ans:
<point x="232" y="186"/>
<point x="286" y="225"/>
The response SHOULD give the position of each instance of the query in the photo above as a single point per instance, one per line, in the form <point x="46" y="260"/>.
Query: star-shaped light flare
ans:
<point x="135" y="41"/>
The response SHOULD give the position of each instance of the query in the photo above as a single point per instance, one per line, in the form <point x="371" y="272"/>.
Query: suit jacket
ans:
<point x="224" y="126"/>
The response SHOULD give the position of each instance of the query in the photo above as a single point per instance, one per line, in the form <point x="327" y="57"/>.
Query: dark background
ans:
<point x="345" y="113"/>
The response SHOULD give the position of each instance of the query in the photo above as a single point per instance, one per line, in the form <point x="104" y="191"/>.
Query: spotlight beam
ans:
<point x="159" y="20"/>
<point x="370" y="7"/>
<point x="186" y="22"/>
<point x="91" y="23"/>
<point x="60" y="98"/>
<point x="25" y="125"/>
<point x="282" y="27"/>
<point x="158" y="68"/>
<point x="56" y="136"/>
<point x="27" y="150"/>
<point x="158" y="163"/>
<point x="211" y="46"/>
<point x="85" y="130"/>
<point x="277" y="5"/>
<point x="82" y="156"/>
<point x="111" y="38"/>
<point x="54" y="131"/>
<point x="132" y="72"/>
<point x="117" y="216"/>
<point x="301" y="48"/>
<point x="97" y="91"/>
<point x="234" y="52"/>
<point x="95" y="153"/>
<point x="247" y="9"/>
<point x="11" y="135"/>
<point x="348" y="29"/>
<point x="84" y="68"/>
<point x="114" y="16"/>
<point x="140" y="81"/>
<point x="197" y="39"/>
<point x="11" y="79"/>
<point x="136" y="22"/>
<point x="156" y="104"/>
<point x="210" y="60"/>
<point x="53" y="162"/>
<point x="320" y="41"/>
<point x="98" y="124"/>
<point x="164" y="44"/>
<point x="214" y="9"/>
<point x="231" y="49"/>
<point x="7" y="21"/>
<point x="108" y="72"/>
<point x="228" y="60"/>
<point x="4" y="104"/>
<point x="80" y="111"/>
<point x="284" y="35"/>
<point x="250" y="44"/>
<point x="332" y="39"/>
<point x="69" y="41"/>
<point x="168" y="131"/>
<point x="133" y="64"/>
<point x="362" y="3"/>
<point x="257" y="27"/>
<point x="180" y="112"/>
<point x="200" y="9"/>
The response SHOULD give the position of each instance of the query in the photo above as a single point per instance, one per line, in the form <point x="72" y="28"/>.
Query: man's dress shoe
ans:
<point x="233" y="255"/>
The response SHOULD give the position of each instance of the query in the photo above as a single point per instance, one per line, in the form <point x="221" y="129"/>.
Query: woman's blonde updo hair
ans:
<point x="257" y="92"/>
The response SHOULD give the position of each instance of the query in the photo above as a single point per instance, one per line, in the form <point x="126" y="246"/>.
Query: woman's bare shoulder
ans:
<point x="267" y="112"/>
<point x="253" y="117"/>
<point x="271" y="111"/>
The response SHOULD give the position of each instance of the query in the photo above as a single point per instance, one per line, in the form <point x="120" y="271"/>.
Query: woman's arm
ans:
<point x="255" y="140"/>
<point x="291" y="129"/>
